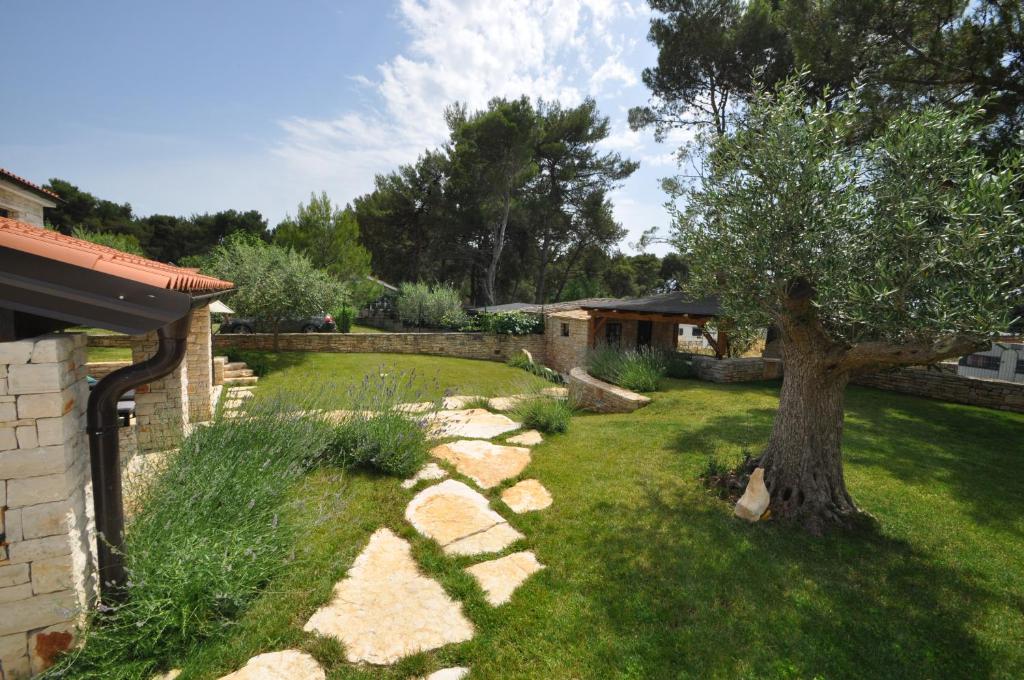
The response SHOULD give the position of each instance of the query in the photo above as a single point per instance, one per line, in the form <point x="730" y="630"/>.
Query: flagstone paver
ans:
<point x="499" y="578"/>
<point x="290" y="664"/>
<point x="385" y="609"/>
<point x="526" y="496"/>
<point x="430" y="471"/>
<point x="474" y="423"/>
<point x="447" y="674"/>
<point x="485" y="463"/>
<point x="556" y="392"/>
<point x="458" y="401"/>
<point x="417" y="407"/>
<point x="528" y="438"/>
<point x="460" y="519"/>
<point x="505" y="403"/>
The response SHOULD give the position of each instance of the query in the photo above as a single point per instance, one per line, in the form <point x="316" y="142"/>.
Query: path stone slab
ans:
<point x="458" y="401"/>
<point x="447" y="674"/>
<point x="416" y="407"/>
<point x="528" y="438"/>
<point x="556" y="392"/>
<point x="290" y="664"/>
<point x="485" y="463"/>
<point x="459" y="519"/>
<point x="526" y="496"/>
<point x="429" y="471"/>
<point x="474" y="423"/>
<point x="505" y="403"/>
<point x="499" y="578"/>
<point x="385" y="609"/>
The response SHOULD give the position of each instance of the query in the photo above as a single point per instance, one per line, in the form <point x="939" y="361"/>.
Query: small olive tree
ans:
<point x="274" y="283"/>
<point x="905" y="248"/>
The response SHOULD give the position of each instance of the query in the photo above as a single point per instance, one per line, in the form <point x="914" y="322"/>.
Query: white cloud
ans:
<point x="462" y="51"/>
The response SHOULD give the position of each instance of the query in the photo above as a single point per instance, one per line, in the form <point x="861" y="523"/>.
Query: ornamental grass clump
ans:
<point x="380" y="431"/>
<point x="547" y="414"/>
<point x="638" y="370"/>
<point x="211" y="530"/>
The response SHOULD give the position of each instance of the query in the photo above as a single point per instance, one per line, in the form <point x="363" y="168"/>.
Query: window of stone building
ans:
<point x="613" y="333"/>
<point x="565" y="330"/>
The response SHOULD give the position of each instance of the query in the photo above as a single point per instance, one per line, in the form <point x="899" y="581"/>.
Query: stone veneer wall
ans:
<point x="199" y="367"/>
<point x="161" y="407"/>
<point x="740" y="369"/>
<point x="462" y="345"/>
<point x="946" y="385"/>
<point x="596" y="395"/>
<point x="47" y="567"/>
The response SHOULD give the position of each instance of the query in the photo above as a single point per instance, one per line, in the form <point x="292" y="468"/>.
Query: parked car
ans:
<point x="321" y="323"/>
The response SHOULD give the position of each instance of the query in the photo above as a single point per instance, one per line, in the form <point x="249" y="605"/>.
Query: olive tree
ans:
<point x="273" y="283"/>
<point x="902" y="249"/>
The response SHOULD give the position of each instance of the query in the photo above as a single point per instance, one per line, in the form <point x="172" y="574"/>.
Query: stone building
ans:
<point x="22" y="200"/>
<point x="52" y="568"/>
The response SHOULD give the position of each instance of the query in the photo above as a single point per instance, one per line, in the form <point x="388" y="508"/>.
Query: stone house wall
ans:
<point x="565" y="338"/>
<point x="199" y="367"/>
<point x="21" y="204"/>
<point x="47" y="567"/>
<point x="462" y="345"/>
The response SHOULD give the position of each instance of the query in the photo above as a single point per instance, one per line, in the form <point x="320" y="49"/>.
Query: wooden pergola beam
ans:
<point x="648" y="316"/>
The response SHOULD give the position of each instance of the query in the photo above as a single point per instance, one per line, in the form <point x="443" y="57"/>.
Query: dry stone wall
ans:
<point x="740" y="369"/>
<point x="948" y="386"/>
<point x="596" y="395"/>
<point x="462" y="345"/>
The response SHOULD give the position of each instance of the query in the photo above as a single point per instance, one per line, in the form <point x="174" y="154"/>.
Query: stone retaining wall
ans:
<point x="596" y="395"/>
<point x="740" y="369"/>
<point x="462" y="345"/>
<point x="947" y="386"/>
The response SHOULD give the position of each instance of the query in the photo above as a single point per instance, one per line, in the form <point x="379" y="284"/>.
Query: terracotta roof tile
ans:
<point x="25" y="184"/>
<point x="56" y="246"/>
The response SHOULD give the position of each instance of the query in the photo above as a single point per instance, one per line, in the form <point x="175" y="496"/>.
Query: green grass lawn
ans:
<point x="650" y="576"/>
<point x="110" y="354"/>
<point x="356" y="328"/>
<point x="336" y="375"/>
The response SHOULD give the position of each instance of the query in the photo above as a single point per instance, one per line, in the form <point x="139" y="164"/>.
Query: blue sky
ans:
<point x="194" y="106"/>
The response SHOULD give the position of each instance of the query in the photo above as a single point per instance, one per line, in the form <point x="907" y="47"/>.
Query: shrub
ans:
<point x="343" y="318"/>
<point x="544" y="413"/>
<point x="422" y="306"/>
<point x="379" y="434"/>
<point x="454" y="319"/>
<point x="211" y="530"/>
<point x="390" y="442"/>
<point x="508" y="323"/>
<point x="520" y="360"/>
<point x="678" y="365"/>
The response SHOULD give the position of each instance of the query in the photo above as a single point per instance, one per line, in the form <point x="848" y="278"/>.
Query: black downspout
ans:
<point x="102" y="425"/>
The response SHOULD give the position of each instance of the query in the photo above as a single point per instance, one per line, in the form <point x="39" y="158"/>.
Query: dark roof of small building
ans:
<point x="667" y="303"/>
<point x="546" y="308"/>
<point x="25" y="184"/>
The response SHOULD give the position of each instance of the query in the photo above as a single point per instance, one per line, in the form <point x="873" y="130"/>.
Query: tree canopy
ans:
<point x="905" y="53"/>
<point x="513" y="206"/>
<point x="900" y="249"/>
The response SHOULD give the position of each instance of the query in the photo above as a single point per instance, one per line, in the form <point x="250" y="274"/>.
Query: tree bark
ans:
<point x="803" y="460"/>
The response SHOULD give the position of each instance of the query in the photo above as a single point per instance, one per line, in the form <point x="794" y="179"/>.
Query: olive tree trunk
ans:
<point x="803" y="460"/>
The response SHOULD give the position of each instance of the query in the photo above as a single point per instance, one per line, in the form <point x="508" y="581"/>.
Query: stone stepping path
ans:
<point x="430" y="471"/>
<point x="385" y="609"/>
<point x="458" y="401"/>
<point x="485" y="463"/>
<point x="528" y="438"/>
<point x="499" y="578"/>
<point x="460" y="519"/>
<point x="474" y="423"/>
<point x="290" y="664"/>
<point x="526" y="496"/>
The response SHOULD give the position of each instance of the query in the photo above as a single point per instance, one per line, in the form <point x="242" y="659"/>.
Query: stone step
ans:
<point x="239" y="373"/>
<point x="235" y="365"/>
<point x="247" y="380"/>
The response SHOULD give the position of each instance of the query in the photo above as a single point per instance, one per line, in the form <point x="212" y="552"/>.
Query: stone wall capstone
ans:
<point x="596" y="395"/>
<point x="485" y="346"/>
